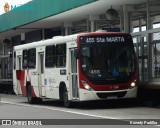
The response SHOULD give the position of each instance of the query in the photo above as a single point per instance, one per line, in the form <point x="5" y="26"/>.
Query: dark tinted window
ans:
<point x="25" y="59"/>
<point x="32" y="58"/>
<point x="14" y="59"/>
<point x="50" y="56"/>
<point x="61" y="55"/>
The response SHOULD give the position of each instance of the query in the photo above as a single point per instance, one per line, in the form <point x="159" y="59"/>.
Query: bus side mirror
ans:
<point x="76" y="55"/>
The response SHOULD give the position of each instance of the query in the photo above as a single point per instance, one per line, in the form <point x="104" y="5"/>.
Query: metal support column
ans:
<point x="149" y="41"/>
<point x="126" y="18"/>
<point x="43" y="34"/>
<point x="88" y="25"/>
<point x="93" y="19"/>
<point x="22" y="38"/>
<point x="67" y="28"/>
<point x="121" y="19"/>
<point x="92" y="26"/>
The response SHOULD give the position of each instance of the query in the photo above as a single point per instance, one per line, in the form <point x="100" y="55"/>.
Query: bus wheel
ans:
<point x="31" y="99"/>
<point x="67" y="103"/>
<point x="29" y="95"/>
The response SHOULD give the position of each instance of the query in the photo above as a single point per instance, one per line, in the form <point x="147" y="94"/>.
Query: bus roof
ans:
<point x="59" y="39"/>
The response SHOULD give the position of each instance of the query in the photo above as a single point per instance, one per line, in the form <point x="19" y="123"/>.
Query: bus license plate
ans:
<point x="112" y="97"/>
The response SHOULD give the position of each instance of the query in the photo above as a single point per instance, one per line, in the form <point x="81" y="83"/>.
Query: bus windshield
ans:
<point x="110" y="61"/>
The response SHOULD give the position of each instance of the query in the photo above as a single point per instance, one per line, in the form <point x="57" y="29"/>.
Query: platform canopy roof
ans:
<point x="52" y="13"/>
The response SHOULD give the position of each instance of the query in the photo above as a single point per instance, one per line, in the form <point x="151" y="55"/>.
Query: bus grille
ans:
<point x="110" y="94"/>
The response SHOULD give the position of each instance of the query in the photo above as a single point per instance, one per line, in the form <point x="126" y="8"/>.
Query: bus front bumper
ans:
<point x="86" y="95"/>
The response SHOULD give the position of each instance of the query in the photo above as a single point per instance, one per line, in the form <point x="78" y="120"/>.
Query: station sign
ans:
<point x="19" y="7"/>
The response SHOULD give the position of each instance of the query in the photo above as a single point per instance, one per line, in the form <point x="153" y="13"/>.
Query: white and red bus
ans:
<point x="81" y="67"/>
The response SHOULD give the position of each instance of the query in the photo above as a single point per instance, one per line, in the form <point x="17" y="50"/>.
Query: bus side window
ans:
<point x="14" y="60"/>
<point x="61" y="55"/>
<point x="50" y="56"/>
<point x="19" y="62"/>
<point x="25" y="59"/>
<point x="32" y="58"/>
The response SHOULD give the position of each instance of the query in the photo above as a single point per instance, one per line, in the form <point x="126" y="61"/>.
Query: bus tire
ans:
<point x="32" y="100"/>
<point x="66" y="101"/>
<point x="29" y="95"/>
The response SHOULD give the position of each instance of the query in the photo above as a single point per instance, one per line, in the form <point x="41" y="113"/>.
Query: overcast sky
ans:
<point x="11" y="2"/>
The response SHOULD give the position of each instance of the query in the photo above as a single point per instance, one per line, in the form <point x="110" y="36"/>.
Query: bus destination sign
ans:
<point x="103" y="39"/>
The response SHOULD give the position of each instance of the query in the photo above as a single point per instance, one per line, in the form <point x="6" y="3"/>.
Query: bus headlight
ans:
<point x="86" y="86"/>
<point x="133" y="84"/>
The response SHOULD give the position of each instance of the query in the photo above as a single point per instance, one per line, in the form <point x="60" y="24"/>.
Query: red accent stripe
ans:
<point x="20" y="76"/>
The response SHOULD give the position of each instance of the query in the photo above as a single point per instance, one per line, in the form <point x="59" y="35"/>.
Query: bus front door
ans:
<point x="73" y="76"/>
